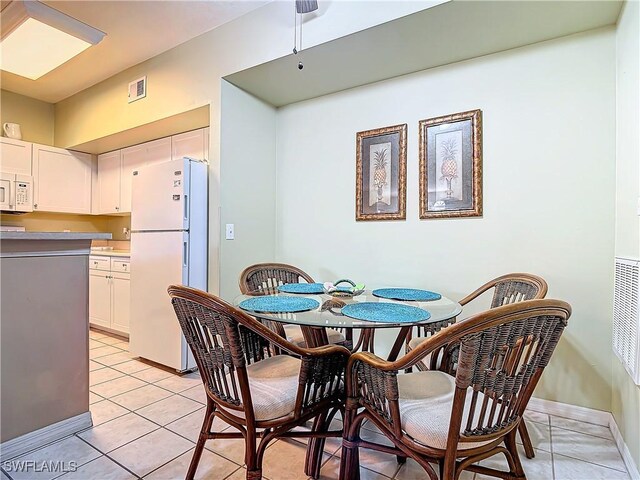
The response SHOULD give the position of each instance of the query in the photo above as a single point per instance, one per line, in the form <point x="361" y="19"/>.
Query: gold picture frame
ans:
<point x="451" y="165"/>
<point x="381" y="173"/>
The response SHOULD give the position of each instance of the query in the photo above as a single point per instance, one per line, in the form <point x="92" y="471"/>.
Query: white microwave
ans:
<point x="16" y="193"/>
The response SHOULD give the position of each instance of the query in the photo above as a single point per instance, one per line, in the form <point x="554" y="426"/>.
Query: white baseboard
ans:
<point x="39" y="438"/>
<point x="624" y="450"/>
<point x="573" y="412"/>
<point x="590" y="415"/>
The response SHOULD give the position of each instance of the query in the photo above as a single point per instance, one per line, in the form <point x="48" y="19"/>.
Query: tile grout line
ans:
<point x="110" y="458"/>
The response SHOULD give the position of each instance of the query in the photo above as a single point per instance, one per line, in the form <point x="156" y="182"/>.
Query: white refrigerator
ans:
<point x="169" y="206"/>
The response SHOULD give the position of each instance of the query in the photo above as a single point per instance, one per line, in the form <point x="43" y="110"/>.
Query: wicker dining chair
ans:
<point x="507" y="289"/>
<point x="261" y="394"/>
<point x="458" y="421"/>
<point x="264" y="279"/>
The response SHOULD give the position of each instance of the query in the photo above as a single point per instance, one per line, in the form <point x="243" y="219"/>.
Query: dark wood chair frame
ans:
<point x="264" y="279"/>
<point x="503" y="353"/>
<point x="508" y="289"/>
<point x="224" y="341"/>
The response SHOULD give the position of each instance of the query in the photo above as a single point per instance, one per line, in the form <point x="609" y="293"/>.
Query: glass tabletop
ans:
<point x="328" y="313"/>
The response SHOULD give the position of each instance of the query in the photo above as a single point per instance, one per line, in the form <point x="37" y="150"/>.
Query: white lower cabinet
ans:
<point x="109" y="298"/>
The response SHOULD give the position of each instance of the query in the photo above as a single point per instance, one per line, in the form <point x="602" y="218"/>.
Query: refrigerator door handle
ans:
<point x="185" y="254"/>
<point x="186" y="208"/>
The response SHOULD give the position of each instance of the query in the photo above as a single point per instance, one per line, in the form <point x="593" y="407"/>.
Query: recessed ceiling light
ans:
<point x="37" y="38"/>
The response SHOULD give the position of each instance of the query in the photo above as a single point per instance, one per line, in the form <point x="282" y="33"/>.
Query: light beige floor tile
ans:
<point x="101" y="468"/>
<point x="189" y="426"/>
<point x="115" y="358"/>
<point x="111" y="340"/>
<point x="571" y="469"/>
<point x="533" y="416"/>
<point x="96" y="353"/>
<point x="131" y="366"/>
<point x="240" y="474"/>
<point x="70" y="452"/>
<point x="537" y="468"/>
<point x="93" y="398"/>
<point x="113" y="434"/>
<point x="106" y="410"/>
<point x="540" y="435"/>
<point x="177" y="383"/>
<point x="103" y="375"/>
<point x="95" y="344"/>
<point x="117" y="386"/>
<point x="122" y="345"/>
<point x="587" y="447"/>
<point x="210" y="467"/>
<point x="93" y="366"/>
<point x="413" y="471"/>
<point x="168" y="410"/>
<point x="141" y="397"/>
<point x="331" y="471"/>
<point x="230" y="448"/>
<point x="582" y="427"/>
<point x="196" y="393"/>
<point x="96" y="335"/>
<point x="3" y="476"/>
<point x="294" y="452"/>
<point x="160" y="447"/>
<point x="152" y="374"/>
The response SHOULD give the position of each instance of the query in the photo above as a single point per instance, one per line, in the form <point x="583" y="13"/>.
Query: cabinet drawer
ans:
<point x="99" y="263"/>
<point x="120" y="264"/>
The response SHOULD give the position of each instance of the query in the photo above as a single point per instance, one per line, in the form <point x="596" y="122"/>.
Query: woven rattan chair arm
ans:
<point x="522" y="277"/>
<point x="321" y="376"/>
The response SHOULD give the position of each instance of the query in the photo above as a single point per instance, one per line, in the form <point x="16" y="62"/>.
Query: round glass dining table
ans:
<point x="328" y="315"/>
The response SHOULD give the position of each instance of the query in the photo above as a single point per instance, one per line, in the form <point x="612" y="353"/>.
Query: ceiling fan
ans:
<point x="302" y="6"/>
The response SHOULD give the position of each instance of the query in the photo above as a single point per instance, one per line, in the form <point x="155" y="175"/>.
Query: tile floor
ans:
<point x="146" y="421"/>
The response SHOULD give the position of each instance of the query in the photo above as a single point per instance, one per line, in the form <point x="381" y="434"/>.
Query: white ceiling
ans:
<point x="136" y="31"/>
<point x="446" y="33"/>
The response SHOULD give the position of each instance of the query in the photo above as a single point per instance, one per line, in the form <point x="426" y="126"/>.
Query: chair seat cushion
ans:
<point x="295" y="336"/>
<point x="274" y="385"/>
<point x="425" y="401"/>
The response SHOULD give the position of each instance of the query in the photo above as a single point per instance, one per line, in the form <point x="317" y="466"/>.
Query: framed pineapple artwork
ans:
<point x="451" y="166"/>
<point x="381" y="173"/>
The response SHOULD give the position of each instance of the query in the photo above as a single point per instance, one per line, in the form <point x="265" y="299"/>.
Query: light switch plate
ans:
<point x="229" y="231"/>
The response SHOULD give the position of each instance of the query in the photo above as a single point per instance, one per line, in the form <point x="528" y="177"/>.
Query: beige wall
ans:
<point x="549" y="183"/>
<point x="626" y="395"/>
<point x="58" y="222"/>
<point x="189" y="76"/>
<point x="36" y="118"/>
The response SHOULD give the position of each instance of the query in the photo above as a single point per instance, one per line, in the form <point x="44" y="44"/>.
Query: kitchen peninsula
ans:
<point x="44" y="335"/>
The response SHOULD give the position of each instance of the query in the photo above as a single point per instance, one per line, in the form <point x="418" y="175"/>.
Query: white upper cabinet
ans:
<point x="15" y="156"/>
<point x="134" y="158"/>
<point x="62" y="180"/>
<point x="189" y="144"/>
<point x="109" y="169"/>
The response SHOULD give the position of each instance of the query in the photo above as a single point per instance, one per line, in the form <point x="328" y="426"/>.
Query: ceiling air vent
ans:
<point x="138" y="89"/>
<point x="626" y="332"/>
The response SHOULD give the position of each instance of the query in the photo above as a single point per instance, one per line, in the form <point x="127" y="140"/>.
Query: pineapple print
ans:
<point x="380" y="171"/>
<point x="449" y="168"/>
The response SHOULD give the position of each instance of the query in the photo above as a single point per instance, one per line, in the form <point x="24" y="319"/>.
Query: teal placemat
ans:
<point x="385" y="312"/>
<point x="273" y="304"/>
<point x="308" y="288"/>
<point x="407" y="294"/>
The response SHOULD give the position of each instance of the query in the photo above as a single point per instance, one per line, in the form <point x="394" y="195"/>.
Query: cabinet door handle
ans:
<point x="35" y="205"/>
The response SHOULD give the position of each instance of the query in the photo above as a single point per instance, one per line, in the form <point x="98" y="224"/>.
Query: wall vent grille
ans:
<point x="137" y="89"/>
<point x="626" y="334"/>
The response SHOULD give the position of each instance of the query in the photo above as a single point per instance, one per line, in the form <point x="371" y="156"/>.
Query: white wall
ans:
<point x="549" y="180"/>
<point x="248" y="147"/>
<point x="625" y="394"/>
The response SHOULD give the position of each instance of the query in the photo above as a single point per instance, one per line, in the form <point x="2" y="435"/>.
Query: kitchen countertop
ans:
<point x="111" y="253"/>
<point x="54" y="236"/>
